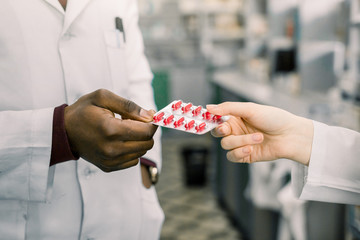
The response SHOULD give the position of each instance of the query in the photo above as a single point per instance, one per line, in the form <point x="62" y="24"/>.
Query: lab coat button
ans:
<point x="68" y="36"/>
<point x="87" y="172"/>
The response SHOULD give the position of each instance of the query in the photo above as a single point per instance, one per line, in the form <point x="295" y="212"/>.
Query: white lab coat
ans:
<point x="333" y="174"/>
<point x="48" y="58"/>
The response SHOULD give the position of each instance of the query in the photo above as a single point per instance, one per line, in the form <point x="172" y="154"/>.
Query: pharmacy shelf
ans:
<point x="212" y="10"/>
<point x="237" y="83"/>
<point x="226" y="36"/>
<point x="169" y="41"/>
<point x="194" y="7"/>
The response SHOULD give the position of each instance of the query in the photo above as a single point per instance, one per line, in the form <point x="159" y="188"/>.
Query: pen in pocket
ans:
<point x="119" y="26"/>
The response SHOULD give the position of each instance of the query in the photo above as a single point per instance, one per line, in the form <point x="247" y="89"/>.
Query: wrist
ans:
<point x="60" y="148"/>
<point x="66" y="127"/>
<point x="301" y="142"/>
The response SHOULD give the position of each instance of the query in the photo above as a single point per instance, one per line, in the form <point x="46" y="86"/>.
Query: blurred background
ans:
<point x="300" y="55"/>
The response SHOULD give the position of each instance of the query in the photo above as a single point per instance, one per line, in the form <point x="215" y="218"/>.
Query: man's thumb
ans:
<point x="124" y="107"/>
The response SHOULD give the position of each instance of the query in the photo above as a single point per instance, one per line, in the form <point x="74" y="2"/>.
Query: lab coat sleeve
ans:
<point x="25" y="146"/>
<point x="333" y="174"/>
<point x="140" y="75"/>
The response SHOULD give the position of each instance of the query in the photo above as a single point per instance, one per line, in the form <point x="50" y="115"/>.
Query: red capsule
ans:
<point x="158" y="117"/>
<point x="169" y="119"/>
<point x="216" y="118"/>
<point x="189" y="125"/>
<point x="196" y="111"/>
<point x="200" y="127"/>
<point x="179" y="122"/>
<point x="206" y="116"/>
<point x="176" y="106"/>
<point x="186" y="108"/>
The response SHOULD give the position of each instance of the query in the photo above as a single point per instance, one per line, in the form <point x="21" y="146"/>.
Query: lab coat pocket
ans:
<point x="153" y="215"/>
<point x="115" y="44"/>
<point x="12" y="219"/>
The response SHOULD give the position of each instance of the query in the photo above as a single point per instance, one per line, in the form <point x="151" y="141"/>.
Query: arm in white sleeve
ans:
<point x="140" y="76"/>
<point x="333" y="174"/>
<point x="25" y="146"/>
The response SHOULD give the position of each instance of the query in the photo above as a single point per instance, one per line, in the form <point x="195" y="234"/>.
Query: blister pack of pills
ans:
<point x="187" y="117"/>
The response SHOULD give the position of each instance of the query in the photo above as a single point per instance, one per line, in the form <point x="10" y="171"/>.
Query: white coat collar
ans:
<point x="73" y="9"/>
<point x="56" y="5"/>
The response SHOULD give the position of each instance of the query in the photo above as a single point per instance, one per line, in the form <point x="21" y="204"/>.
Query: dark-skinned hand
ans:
<point x="110" y="143"/>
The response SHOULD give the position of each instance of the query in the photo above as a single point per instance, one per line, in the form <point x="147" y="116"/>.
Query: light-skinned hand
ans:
<point x="257" y="132"/>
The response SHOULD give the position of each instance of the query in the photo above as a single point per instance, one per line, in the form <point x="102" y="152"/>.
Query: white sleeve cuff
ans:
<point x="25" y="151"/>
<point x="332" y="175"/>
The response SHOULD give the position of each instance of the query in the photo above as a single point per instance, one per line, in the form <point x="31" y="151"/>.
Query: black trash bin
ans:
<point x="195" y="165"/>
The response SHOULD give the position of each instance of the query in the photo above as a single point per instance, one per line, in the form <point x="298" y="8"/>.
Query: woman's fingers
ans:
<point x="237" y="141"/>
<point x="222" y="130"/>
<point x="241" y="146"/>
<point x="238" y="109"/>
<point x="240" y="155"/>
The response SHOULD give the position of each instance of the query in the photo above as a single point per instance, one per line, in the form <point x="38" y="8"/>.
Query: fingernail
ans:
<point x="229" y="156"/>
<point x="224" y="129"/>
<point x="246" y="150"/>
<point x="221" y="129"/>
<point x="257" y="137"/>
<point x="145" y="114"/>
<point x="152" y="111"/>
<point x="211" y="106"/>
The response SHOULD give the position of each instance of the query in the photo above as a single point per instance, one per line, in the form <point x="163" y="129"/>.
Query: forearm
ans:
<point x="300" y="140"/>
